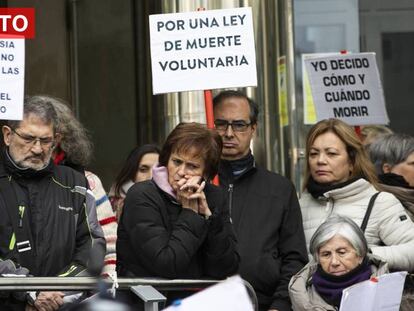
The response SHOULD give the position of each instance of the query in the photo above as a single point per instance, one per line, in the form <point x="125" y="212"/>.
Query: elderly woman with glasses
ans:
<point x="177" y="224"/>
<point x="339" y="250"/>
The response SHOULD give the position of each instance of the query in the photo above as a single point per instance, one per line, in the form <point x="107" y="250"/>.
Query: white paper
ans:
<point x="384" y="295"/>
<point x="347" y="87"/>
<point x="12" y="55"/>
<point x="230" y="295"/>
<point x="180" y="62"/>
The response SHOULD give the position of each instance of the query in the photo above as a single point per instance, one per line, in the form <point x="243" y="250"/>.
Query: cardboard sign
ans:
<point x="11" y="78"/>
<point x="202" y="50"/>
<point x="347" y="87"/>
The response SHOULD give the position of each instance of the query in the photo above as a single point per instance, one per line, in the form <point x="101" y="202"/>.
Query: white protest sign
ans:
<point x="229" y="295"/>
<point x="383" y="294"/>
<point x="309" y="113"/>
<point x="347" y="87"/>
<point x="11" y="78"/>
<point x="202" y="50"/>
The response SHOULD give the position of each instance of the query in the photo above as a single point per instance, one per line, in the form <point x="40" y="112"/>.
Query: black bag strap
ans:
<point x="368" y="212"/>
<point x="16" y="211"/>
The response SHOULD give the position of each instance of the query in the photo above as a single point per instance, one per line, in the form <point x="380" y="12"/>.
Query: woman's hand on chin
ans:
<point x="200" y="196"/>
<point x="191" y="195"/>
<point x="186" y="187"/>
<point x="191" y="183"/>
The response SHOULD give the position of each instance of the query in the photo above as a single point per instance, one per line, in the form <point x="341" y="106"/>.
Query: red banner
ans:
<point x="17" y="23"/>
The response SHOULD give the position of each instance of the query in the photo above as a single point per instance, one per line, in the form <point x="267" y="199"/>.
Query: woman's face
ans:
<point x="184" y="164"/>
<point x="405" y="169"/>
<point x="338" y="256"/>
<point x="328" y="160"/>
<point x="145" y="167"/>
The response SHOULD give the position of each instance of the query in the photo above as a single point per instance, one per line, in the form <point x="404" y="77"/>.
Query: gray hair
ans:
<point x="39" y="106"/>
<point x="392" y="149"/>
<point x="75" y="140"/>
<point x="342" y="226"/>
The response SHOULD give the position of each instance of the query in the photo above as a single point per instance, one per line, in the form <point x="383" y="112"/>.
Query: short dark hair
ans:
<point x="41" y="107"/>
<point x="223" y="95"/>
<point x="207" y="143"/>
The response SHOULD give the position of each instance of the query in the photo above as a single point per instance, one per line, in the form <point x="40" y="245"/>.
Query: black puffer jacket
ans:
<point x="55" y="218"/>
<point x="268" y="225"/>
<point x="159" y="238"/>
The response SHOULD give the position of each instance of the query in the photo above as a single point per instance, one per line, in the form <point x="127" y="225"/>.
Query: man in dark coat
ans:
<point x="263" y="205"/>
<point x="47" y="217"/>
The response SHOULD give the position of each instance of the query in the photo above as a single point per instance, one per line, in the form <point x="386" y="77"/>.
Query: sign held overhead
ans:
<point x="202" y="50"/>
<point x="347" y="87"/>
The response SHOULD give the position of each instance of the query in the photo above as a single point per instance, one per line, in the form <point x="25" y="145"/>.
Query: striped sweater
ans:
<point x="107" y="220"/>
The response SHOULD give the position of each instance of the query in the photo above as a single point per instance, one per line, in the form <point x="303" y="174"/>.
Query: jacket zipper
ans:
<point x="230" y="190"/>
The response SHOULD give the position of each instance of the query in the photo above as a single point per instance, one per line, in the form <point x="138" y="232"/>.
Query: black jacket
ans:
<point x="54" y="219"/>
<point x="159" y="238"/>
<point x="268" y="225"/>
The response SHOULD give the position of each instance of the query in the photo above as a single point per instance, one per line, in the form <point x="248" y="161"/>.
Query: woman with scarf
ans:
<point x="340" y="259"/>
<point x="340" y="179"/>
<point x="177" y="225"/>
<point x="393" y="157"/>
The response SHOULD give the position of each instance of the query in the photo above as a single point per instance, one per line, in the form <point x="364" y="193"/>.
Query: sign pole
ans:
<point x="208" y="103"/>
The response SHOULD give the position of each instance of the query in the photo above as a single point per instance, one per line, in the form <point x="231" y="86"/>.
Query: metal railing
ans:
<point x="90" y="284"/>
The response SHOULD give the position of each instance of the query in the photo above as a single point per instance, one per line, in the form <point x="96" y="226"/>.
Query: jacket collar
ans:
<point x="10" y="168"/>
<point x="354" y="189"/>
<point x="160" y="178"/>
<point x="226" y="170"/>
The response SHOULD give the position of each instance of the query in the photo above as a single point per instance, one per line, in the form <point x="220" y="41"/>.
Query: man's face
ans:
<point x="31" y="144"/>
<point x="236" y="144"/>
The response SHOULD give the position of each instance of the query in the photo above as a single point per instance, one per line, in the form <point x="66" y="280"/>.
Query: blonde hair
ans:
<point x="362" y="166"/>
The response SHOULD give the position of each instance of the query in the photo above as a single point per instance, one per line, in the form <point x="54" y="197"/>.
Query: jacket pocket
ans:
<point x="268" y="273"/>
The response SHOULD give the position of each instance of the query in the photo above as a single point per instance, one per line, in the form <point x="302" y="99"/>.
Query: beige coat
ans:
<point x="405" y="195"/>
<point x="390" y="231"/>
<point x="303" y="295"/>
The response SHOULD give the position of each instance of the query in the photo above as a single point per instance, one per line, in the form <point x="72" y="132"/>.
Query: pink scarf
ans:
<point x="160" y="177"/>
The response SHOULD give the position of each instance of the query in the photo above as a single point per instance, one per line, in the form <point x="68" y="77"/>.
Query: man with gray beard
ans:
<point x="47" y="222"/>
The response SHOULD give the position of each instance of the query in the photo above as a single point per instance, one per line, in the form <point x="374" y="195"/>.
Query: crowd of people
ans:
<point x="164" y="218"/>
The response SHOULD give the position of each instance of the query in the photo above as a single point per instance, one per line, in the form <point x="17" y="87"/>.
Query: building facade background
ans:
<point x="95" y="55"/>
